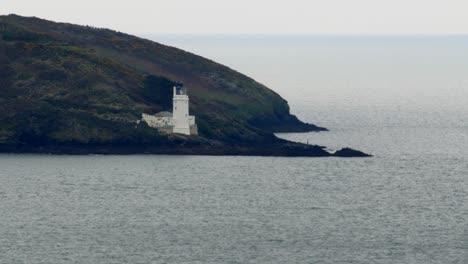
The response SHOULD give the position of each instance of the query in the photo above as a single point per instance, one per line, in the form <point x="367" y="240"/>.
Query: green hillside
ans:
<point x="64" y="84"/>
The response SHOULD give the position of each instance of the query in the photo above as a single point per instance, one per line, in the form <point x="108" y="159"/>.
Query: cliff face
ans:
<point x="63" y="84"/>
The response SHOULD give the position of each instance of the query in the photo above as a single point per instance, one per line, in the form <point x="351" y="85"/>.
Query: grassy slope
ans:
<point x="67" y="84"/>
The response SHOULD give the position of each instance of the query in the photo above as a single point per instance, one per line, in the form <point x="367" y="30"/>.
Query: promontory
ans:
<point x="70" y="89"/>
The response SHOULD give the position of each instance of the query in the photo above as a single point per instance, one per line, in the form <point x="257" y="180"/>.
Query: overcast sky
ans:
<point x="255" y="16"/>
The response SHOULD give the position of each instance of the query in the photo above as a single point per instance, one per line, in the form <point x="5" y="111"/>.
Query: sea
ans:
<point x="403" y="99"/>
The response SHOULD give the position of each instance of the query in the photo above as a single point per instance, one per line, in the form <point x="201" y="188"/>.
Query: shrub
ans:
<point x="158" y="90"/>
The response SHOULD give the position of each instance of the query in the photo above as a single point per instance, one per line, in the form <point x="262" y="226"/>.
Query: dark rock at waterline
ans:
<point x="348" y="153"/>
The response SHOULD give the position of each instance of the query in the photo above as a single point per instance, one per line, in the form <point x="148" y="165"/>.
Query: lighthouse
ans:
<point x="179" y="121"/>
<point x="180" y="110"/>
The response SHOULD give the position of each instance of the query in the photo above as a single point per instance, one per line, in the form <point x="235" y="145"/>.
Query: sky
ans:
<point x="254" y="16"/>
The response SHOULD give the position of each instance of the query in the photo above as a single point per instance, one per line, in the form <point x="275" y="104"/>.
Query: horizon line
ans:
<point x="331" y="34"/>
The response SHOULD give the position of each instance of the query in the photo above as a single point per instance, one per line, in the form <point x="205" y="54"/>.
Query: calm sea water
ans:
<point x="403" y="99"/>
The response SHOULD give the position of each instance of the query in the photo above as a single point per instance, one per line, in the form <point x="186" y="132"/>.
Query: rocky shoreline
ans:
<point x="285" y="150"/>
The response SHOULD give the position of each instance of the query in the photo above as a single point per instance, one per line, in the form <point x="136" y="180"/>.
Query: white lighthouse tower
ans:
<point x="179" y="121"/>
<point x="180" y="110"/>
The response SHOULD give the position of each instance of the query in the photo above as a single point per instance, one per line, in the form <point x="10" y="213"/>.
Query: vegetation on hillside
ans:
<point x="66" y="84"/>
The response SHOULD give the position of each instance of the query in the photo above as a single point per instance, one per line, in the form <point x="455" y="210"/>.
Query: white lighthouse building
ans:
<point x="180" y="110"/>
<point x="179" y="121"/>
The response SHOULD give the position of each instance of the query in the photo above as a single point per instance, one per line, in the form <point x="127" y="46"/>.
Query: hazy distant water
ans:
<point x="381" y="71"/>
<point x="403" y="99"/>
